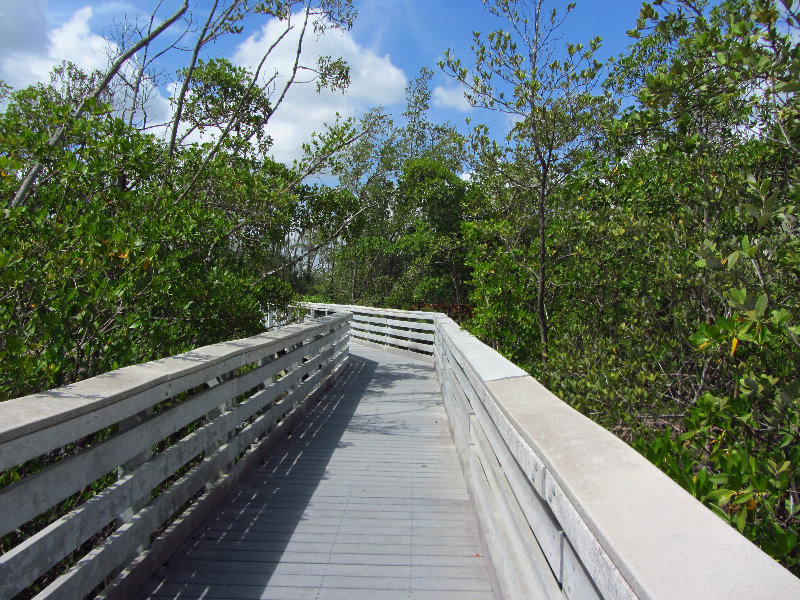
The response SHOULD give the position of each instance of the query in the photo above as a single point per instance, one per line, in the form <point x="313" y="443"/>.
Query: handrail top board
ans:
<point x="650" y="526"/>
<point x="27" y="414"/>
<point x="408" y="314"/>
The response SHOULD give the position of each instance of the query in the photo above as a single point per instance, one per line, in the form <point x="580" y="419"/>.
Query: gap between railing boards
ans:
<point x="112" y="473"/>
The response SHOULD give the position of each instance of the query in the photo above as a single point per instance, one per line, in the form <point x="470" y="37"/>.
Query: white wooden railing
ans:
<point x="405" y="331"/>
<point x="184" y="430"/>
<point x="567" y="509"/>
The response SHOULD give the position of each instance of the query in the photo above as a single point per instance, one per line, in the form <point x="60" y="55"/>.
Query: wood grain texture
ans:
<point x="238" y="412"/>
<point x="366" y="499"/>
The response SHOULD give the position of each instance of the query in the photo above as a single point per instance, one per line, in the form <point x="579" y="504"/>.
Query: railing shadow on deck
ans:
<point x="256" y="522"/>
<point x="173" y="437"/>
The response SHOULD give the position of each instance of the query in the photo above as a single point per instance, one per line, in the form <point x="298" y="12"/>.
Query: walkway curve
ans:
<point x="365" y="500"/>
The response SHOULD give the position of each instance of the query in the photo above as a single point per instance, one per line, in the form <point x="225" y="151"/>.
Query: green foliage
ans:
<point x="218" y="91"/>
<point x="672" y="275"/>
<point x="101" y="268"/>
<point x="405" y="249"/>
<point x="555" y="112"/>
<point x="738" y="448"/>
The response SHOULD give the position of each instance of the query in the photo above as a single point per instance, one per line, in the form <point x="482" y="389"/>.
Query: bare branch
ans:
<point x="27" y="183"/>
<point x="326" y="241"/>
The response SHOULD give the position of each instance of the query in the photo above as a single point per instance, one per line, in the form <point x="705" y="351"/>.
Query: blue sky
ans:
<point x="390" y="41"/>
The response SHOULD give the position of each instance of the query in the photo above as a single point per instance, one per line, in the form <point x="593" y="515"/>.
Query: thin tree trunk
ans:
<point x="540" y="306"/>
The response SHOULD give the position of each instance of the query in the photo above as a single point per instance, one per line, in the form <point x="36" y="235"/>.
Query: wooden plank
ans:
<point x="409" y="345"/>
<point x="423" y="356"/>
<point x="356" y="333"/>
<point x="398" y="342"/>
<point x="394" y="322"/>
<point x="402" y="333"/>
<point x="537" y="514"/>
<point x="355" y="309"/>
<point x="105" y="559"/>
<point x="135" y="575"/>
<point x="527" y="573"/>
<point x="22" y="565"/>
<point x="37" y="424"/>
<point x="428" y="326"/>
<point x="31" y="496"/>
<point x="576" y="581"/>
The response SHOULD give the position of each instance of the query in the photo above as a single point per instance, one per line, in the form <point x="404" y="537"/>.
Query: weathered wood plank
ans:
<point x="376" y="452"/>
<point x="107" y="557"/>
<point x="20" y="566"/>
<point x="36" y="424"/>
<point x="135" y="575"/>
<point x="393" y="341"/>
<point x="389" y="322"/>
<point x="517" y="552"/>
<point x="33" y="495"/>
<point x="288" y="365"/>
<point x="355" y="309"/>
<point x="391" y="331"/>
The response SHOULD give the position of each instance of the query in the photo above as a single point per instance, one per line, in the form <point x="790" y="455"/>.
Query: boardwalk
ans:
<point x="365" y="500"/>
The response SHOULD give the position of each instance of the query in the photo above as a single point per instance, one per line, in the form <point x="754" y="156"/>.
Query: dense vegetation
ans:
<point x="633" y="241"/>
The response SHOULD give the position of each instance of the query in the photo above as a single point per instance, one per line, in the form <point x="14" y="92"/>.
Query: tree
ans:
<point x="77" y="109"/>
<point x="737" y="447"/>
<point x="90" y="279"/>
<point x="520" y="73"/>
<point x="403" y="179"/>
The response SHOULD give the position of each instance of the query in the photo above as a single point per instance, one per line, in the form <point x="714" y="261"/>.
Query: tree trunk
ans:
<point x="540" y="307"/>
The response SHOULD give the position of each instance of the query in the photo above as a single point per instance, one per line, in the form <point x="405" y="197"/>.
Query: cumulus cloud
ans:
<point x="450" y="97"/>
<point x="23" y="27"/>
<point x="373" y="80"/>
<point x="31" y="50"/>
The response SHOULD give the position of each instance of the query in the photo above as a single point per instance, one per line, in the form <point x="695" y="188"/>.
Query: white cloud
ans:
<point x="23" y="27"/>
<point x="30" y="48"/>
<point x="450" y="97"/>
<point x="373" y="80"/>
<point x="25" y="62"/>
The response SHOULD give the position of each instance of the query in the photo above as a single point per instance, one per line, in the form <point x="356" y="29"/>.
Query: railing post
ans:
<point x="221" y="409"/>
<point x="128" y="467"/>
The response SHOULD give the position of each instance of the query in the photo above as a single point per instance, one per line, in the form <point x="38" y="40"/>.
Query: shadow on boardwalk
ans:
<point x="364" y="499"/>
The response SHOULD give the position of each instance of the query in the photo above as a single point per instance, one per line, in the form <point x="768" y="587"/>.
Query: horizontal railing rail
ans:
<point x="568" y="510"/>
<point x="405" y="331"/>
<point x="160" y="443"/>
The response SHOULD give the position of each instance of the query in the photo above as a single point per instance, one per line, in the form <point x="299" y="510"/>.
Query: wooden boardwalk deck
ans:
<point x="365" y="500"/>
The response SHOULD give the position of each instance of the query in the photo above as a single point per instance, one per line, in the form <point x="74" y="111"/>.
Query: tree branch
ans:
<point x="27" y="183"/>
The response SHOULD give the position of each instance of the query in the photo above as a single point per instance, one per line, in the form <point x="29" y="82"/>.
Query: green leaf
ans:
<point x="788" y="86"/>
<point x="720" y="496"/>
<point x="761" y="306"/>
<point x="741" y="520"/>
